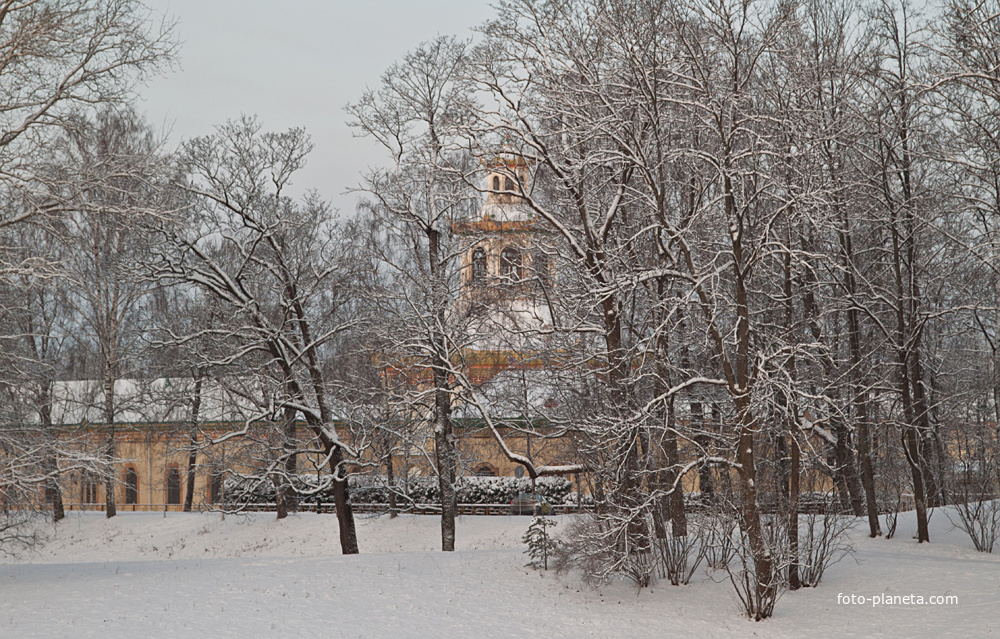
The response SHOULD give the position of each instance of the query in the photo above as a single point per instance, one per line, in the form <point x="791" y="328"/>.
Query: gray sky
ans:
<point x="294" y="63"/>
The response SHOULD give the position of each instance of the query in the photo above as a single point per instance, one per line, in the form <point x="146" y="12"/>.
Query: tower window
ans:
<point x="508" y="184"/>
<point x="510" y="263"/>
<point x="478" y="265"/>
<point x="496" y="182"/>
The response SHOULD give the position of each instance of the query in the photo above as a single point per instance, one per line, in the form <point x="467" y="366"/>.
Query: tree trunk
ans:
<point x="864" y="432"/>
<point x="280" y="495"/>
<point x="794" y="491"/>
<point x="287" y="490"/>
<point x="341" y="489"/>
<point x="940" y="456"/>
<point x="763" y="562"/>
<point x="52" y="488"/>
<point x="192" y="467"/>
<point x="845" y="464"/>
<point x="706" y="484"/>
<point x="671" y="479"/>
<point x="867" y="471"/>
<point x="342" y="502"/>
<point x="845" y="471"/>
<point x="193" y="442"/>
<point x="843" y="494"/>
<point x="444" y="454"/>
<point x="390" y="476"/>
<point x="444" y="438"/>
<point x="905" y="352"/>
<point x="739" y="388"/>
<point x="109" y="450"/>
<point x="678" y="519"/>
<point x="110" y="481"/>
<point x="54" y="492"/>
<point x="911" y="447"/>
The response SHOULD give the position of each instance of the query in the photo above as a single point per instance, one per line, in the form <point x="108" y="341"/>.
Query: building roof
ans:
<point x="160" y="400"/>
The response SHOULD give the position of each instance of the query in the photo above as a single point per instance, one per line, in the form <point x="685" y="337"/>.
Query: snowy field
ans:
<point x="194" y="575"/>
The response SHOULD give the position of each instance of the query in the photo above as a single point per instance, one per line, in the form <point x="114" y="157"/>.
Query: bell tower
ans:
<point x="507" y="261"/>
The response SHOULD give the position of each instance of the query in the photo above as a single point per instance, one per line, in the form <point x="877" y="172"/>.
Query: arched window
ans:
<point x="508" y="184"/>
<point x="215" y="487"/>
<point x="173" y="486"/>
<point x="131" y="486"/>
<point x="510" y="263"/>
<point x="478" y="265"/>
<point x="496" y="182"/>
<point x="88" y="489"/>
<point x="484" y="470"/>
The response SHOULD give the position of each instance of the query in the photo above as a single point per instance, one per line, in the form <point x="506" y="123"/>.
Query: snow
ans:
<point x="195" y="575"/>
<point x="146" y="401"/>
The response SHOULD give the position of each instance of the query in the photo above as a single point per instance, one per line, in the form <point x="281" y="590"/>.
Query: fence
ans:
<point x="129" y="508"/>
<point x="416" y="509"/>
<point x="322" y="507"/>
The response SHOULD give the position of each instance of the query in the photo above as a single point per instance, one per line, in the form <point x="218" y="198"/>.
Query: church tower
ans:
<point x="507" y="262"/>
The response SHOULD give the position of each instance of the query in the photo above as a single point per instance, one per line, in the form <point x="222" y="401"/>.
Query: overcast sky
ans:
<point x="291" y="64"/>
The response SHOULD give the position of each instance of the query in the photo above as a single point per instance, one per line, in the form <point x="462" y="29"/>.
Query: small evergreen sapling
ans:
<point x="540" y="544"/>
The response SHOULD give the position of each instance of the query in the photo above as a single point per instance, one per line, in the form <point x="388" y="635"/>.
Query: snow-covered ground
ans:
<point x="194" y="575"/>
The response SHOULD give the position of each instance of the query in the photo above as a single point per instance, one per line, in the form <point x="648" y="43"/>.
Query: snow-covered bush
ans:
<point x="823" y="541"/>
<point x="719" y="541"/>
<point x="757" y="592"/>
<point x="975" y="488"/>
<point x="243" y="491"/>
<point x="574" y="498"/>
<point x="980" y="520"/>
<point x="502" y="490"/>
<point x="680" y="556"/>
<point x="374" y="489"/>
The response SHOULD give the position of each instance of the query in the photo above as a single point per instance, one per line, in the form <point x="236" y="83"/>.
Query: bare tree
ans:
<point x="969" y="88"/>
<point x="417" y="114"/>
<point x="36" y="450"/>
<point x="57" y="56"/>
<point x="109" y="170"/>
<point x="36" y="328"/>
<point x="905" y="200"/>
<point x="279" y="271"/>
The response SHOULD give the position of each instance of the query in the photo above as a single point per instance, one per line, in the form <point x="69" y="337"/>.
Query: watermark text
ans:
<point x="885" y="599"/>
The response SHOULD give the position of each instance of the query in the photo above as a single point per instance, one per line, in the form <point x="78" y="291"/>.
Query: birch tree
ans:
<point x="109" y="170"/>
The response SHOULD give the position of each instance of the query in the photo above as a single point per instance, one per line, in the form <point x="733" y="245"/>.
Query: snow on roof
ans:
<point x="518" y="391"/>
<point x="506" y="212"/>
<point x="165" y="399"/>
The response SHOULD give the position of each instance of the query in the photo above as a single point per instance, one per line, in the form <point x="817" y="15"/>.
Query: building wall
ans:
<point x="151" y="451"/>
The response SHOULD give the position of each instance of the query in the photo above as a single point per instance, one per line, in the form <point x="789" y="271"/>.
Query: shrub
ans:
<point x="374" y="489"/>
